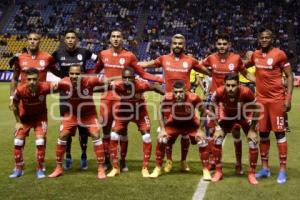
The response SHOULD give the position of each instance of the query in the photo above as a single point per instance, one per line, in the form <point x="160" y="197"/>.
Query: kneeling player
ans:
<point x="132" y="108"/>
<point x="82" y="111"/>
<point x="182" y="120"/>
<point x="30" y="110"/>
<point x="234" y="101"/>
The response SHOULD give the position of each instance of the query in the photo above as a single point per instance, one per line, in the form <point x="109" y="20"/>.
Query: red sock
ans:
<point x="99" y="151"/>
<point x="18" y="152"/>
<point x="124" y="147"/>
<point x="238" y="151"/>
<point x="160" y="154"/>
<point x="253" y="156"/>
<point x="264" y="147"/>
<point x="60" y="151"/>
<point x="282" y="150"/>
<point x="210" y="150"/>
<point x="147" y="147"/>
<point x="106" y="141"/>
<point x="40" y="155"/>
<point x="169" y="148"/>
<point x="217" y="151"/>
<point x="114" y="153"/>
<point x="185" y="144"/>
<point x="204" y="156"/>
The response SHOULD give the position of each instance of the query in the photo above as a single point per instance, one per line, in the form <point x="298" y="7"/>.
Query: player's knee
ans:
<point x="40" y="142"/>
<point x="114" y="136"/>
<point x="18" y="142"/>
<point x="202" y="143"/>
<point x="147" y="138"/>
<point x="280" y="136"/>
<point x="252" y="145"/>
<point x="123" y="138"/>
<point x="264" y="135"/>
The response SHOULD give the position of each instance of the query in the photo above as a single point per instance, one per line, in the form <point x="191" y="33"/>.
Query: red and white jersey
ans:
<point x="113" y="64"/>
<point x="181" y="113"/>
<point x="232" y="107"/>
<point x="32" y="105"/>
<point x="221" y="67"/>
<point x="177" y="68"/>
<point x="42" y="61"/>
<point x="269" y="67"/>
<point x="80" y="99"/>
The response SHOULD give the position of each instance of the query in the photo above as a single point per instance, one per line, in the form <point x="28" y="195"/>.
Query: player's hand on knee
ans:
<point x="18" y="126"/>
<point x="11" y="105"/>
<point x="218" y="132"/>
<point x="162" y="137"/>
<point x="200" y="136"/>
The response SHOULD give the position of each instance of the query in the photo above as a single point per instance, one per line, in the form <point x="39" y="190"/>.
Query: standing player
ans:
<point x="30" y="111"/>
<point x="113" y="61"/>
<point x="234" y="102"/>
<point x="177" y="66"/>
<point x="66" y="56"/>
<point x="32" y="58"/>
<point x="221" y="63"/>
<point x="82" y="112"/>
<point x="132" y="108"/>
<point x="182" y="107"/>
<point x="270" y="63"/>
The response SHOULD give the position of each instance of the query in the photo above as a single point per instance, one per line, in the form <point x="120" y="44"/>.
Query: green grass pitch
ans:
<point x="77" y="184"/>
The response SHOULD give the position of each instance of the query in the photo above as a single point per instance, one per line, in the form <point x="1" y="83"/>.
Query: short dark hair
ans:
<point x="179" y="84"/>
<point x="116" y="30"/>
<point x="265" y="29"/>
<point x="31" y="71"/>
<point x="232" y="76"/>
<point x="223" y="36"/>
<point x="70" y="31"/>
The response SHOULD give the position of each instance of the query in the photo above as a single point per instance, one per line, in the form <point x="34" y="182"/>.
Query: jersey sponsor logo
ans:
<point x="79" y="57"/>
<point x="185" y="64"/>
<point x="41" y="97"/>
<point x="176" y="70"/>
<point x="270" y="61"/>
<point x="264" y="66"/>
<point x="42" y="63"/>
<point x="231" y="66"/>
<point x="85" y="92"/>
<point x="122" y="61"/>
<point x="113" y="66"/>
<point x="24" y="63"/>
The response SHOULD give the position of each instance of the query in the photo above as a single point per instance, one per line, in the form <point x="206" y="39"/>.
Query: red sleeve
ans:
<point x="145" y="86"/>
<point x="197" y="66"/>
<point x="63" y="85"/>
<point x="158" y="62"/>
<point x="206" y="62"/>
<point x="138" y="69"/>
<point x="17" y="95"/>
<point x="95" y="81"/>
<point x="240" y="65"/>
<point x="51" y="62"/>
<point x="197" y="100"/>
<point x="249" y="95"/>
<point x="284" y="60"/>
<point x="215" y="98"/>
<point x="17" y="65"/>
<point x="97" y="67"/>
<point x="46" y="87"/>
<point x="117" y="86"/>
<point x="251" y="62"/>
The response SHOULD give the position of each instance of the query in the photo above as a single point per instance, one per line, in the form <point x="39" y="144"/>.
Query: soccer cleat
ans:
<point x="40" y="174"/>
<point x="83" y="164"/>
<point x="217" y="176"/>
<point x="145" y="173"/>
<point x="239" y="170"/>
<point x="68" y="163"/>
<point x="263" y="173"/>
<point x="156" y="172"/>
<point x="168" y="166"/>
<point x="101" y="173"/>
<point x="114" y="172"/>
<point x="16" y="173"/>
<point x="59" y="171"/>
<point x="206" y="175"/>
<point x="252" y="179"/>
<point x="123" y="166"/>
<point x="184" y="166"/>
<point x="281" y="178"/>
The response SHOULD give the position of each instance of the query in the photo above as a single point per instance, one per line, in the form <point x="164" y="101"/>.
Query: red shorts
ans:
<point x="140" y="117"/>
<point x="107" y="112"/>
<point x="273" y="116"/>
<point x="70" y="122"/>
<point x="39" y="125"/>
<point x="229" y="125"/>
<point x="188" y="129"/>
